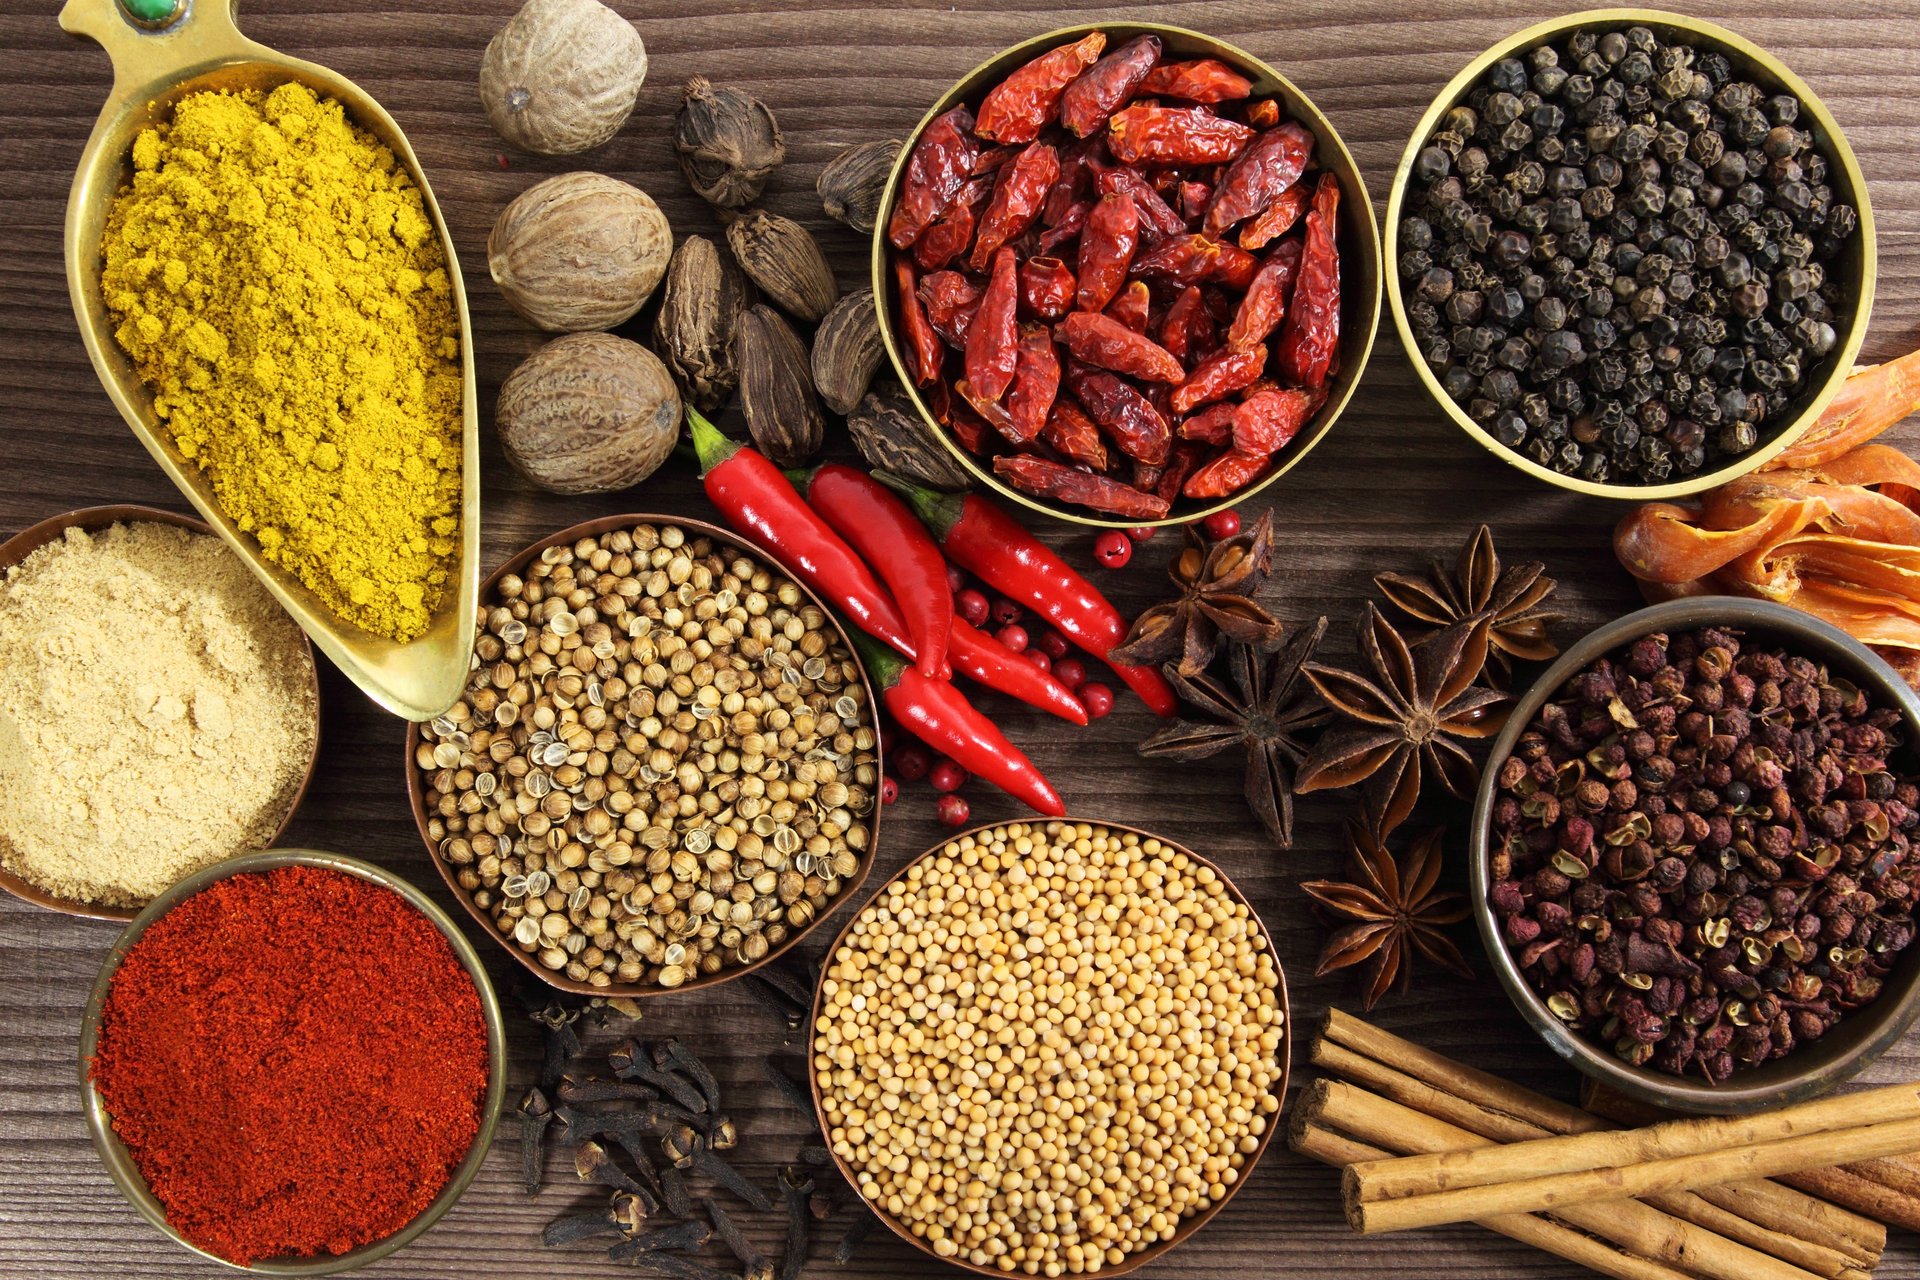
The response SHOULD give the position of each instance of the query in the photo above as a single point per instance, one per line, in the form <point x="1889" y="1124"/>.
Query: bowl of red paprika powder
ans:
<point x="292" y="1063"/>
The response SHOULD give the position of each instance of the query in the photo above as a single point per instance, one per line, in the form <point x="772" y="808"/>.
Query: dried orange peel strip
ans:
<point x="1870" y="400"/>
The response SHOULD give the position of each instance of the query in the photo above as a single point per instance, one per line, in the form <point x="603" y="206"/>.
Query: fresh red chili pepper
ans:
<point x="986" y="661"/>
<point x="893" y="542"/>
<point x="1212" y="425"/>
<point x="1261" y="310"/>
<point x="921" y="339"/>
<point x="1206" y="80"/>
<point x="1106" y="250"/>
<point x="1219" y="376"/>
<point x="1133" y="308"/>
<point x="1264" y="424"/>
<point x="763" y="507"/>
<point x="1263" y="114"/>
<point x="1277" y="218"/>
<point x="1178" y="260"/>
<point x="1036" y="382"/>
<point x="1227" y="474"/>
<point x="950" y="300"/>
<point x="1234" y="267"/>
<point x="1187" y="330"/>
<point x="1066" y="229"/>
<point x="1091" y="98"/>
<point x="992" y="341"/>
<point x="1019" y="107"/>
<point x="935" y="712"/>
<point x="1271" y="164"/>
<point x="1152" y="135"/>
<point x="982" y="538"/>
<point x="1140" y="430"/>
<point x="1047" y="287"/>
<point x="952" y="231"/>
<point x="1042" y="478"/>
<point x="1016" y="201"/>
<point x="1193" y="200"/>
<point x="1157" y="217"/>
<point x="1073" y="435"/>
<point x="940" y="165"/>
<point x="1312" y="331"/>
<point x="1105" y="343"/>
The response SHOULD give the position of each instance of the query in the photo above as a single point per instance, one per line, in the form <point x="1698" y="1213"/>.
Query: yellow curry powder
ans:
<point x="283" y="293"/>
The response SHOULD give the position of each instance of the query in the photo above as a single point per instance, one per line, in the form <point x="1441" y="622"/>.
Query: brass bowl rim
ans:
<point x="1820" y="1066"/>
<point x="1190" y="1224"/>
<point x="1300" y="107"/>
<point x="119" y="1161"/>
<point x="416" y="793"/>
<point x="1847" y="170"/>
<point x="31" y="539"/>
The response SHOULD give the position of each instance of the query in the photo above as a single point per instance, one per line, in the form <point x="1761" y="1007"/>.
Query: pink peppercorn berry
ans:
<point x="1097" y="699"/>
<point x="972" y="606"/>
<point x="1070" y="672"/>
<point x="1038" y="659"/>
<point x="947" y="776"/>
<point x="951" y="810"/>
<point x="1221" y="524"/>
<point x="1014" y="636"/>
<point x="1052" y="643"/>
<point x="1142" y="532"/>
<point x="956" y="578"/>
<point x="1005" y="612"/>
<point x="912" y="761"/>
<point x="1113" y="549"/>
<point x="889" y="791"/>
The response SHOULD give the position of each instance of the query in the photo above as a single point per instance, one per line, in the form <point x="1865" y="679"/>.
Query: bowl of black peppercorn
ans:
<point x="1695" y="855"/>
<point x="1630" y="253"/>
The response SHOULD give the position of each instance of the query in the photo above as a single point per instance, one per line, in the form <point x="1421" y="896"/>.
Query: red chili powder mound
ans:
<point x="296" y="1061"/>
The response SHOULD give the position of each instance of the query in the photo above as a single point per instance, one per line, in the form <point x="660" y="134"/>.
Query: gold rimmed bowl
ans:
<point x="30" y="540"/>
<point x="119" y="1160"/>
<point x="1855" y="267"/>
<point x="159" y="58"/>
<point x="1357" y="238"/>
<point x="1189" y="1225"/>
<point x="423" y="817"/>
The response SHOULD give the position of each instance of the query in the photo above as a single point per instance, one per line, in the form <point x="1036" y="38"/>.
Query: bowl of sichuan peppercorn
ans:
<point x="1128" y="272"/>
<point x="1696" y="855"/>
<point x="1630" y="253"/>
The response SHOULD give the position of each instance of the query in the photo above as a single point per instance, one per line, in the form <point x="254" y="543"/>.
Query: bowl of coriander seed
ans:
<point x="665" y="768"/>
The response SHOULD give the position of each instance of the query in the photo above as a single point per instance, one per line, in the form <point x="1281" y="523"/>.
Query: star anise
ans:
<point x="1217" y="585"/>
<point x="1266" y="712"/>
<point x="1393" y="910"/>
<point x="1477" y="585"/>
<point x="1408" y="724"/>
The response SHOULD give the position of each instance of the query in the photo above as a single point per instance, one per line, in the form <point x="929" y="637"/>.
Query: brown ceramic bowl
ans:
<point x="25" y="543"/>
<point x="416" y="792"/>
<point x="1859" y="1037"/>
<point x="1189" y="1225"/>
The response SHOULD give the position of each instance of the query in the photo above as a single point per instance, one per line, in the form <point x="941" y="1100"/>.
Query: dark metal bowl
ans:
<point x="1860" y="1036"/>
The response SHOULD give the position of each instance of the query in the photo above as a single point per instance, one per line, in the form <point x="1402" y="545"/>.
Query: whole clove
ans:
<point x="753" y="1264"/>
<point x="796" y="1185"/>
<point x="703" y="1163"/>
<point x="788" y="982"/>
<point x="574" y="1090"/>
<point x="689" y="1235"/>
<point x="591" y="1163"/>
<point x="790" y="1091"/>
<point x="775" y="1001"/>
<point x="722" y="1134"/>
<point x="575" y="1227"/>
<point x="674" y="1194"/>
<point x="535" y="1115"/>
<point x="560" y="1041"/>
<point x="630" y="1062"/>
<point x="816" y="1155"/>
<point x="853" y="1237"/>
<point x="671" y="1055"/>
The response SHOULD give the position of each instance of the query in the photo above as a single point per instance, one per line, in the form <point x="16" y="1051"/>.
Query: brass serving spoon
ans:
<point x="163" y="50"/>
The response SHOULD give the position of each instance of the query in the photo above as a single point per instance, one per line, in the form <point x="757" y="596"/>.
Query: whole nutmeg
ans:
<point x="851" y="184"/>
<point x="588" y="413"/>
<point x="776" y="392"/>
<point x="784" y="259"/>
<point x="561" y="77"/>
<point x="579" y="251"/>
<point x="728" y="142"/>
<point x="700" y="307"/>
<point x="846" y="351"/>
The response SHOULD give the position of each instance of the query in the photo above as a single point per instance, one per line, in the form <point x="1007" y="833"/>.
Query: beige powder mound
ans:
<point x="156" y="712"/>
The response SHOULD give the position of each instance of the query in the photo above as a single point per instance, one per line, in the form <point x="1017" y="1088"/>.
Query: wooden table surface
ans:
<point x="1392" y="486"/>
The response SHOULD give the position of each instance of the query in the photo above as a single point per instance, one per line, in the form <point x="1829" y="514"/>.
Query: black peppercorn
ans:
<point x="1432" y="164"/>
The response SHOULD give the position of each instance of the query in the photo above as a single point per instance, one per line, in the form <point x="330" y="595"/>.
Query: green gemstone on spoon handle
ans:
<point x="152" y="13"/>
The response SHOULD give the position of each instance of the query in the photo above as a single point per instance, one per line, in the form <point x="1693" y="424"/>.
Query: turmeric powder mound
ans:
<point x="277" y="281"/>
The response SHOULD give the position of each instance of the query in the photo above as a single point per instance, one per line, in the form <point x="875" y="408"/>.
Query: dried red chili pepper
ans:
<point x="1271" y="163"/>
<point x="1277" y="218"/>
<point x="1219" y="376"/>
<point x="1206" y="80"/>
<point x="922" y="341"/>
<point x="1128" y="417"/>
<point x="1226" y="475"/>
<point x="1147" y="478"/>
<point x="1152" y="135"/>
<point x="1066" y="229"/>
<point x="1193" y="200"/>
<point x="1234" y="267"/>
<point x="1019" y="107"/>
<point x="1091" y="98"/>
<point x="1212" y="425"/>
<point x="1105" y="343"/>
<point x="1157" y="217"/>
<point x="1106" y="250"/>
<point x="1133" y="307"/>
<point x="1047" y="287"/>
<point x="1266" y="302"/>
<point x="1074" y="183"/>
<point x="950" y="299"/>
<point x="940" y="165"/>
<point x="1263" y="114"/>
<point x="1043" y="479"/>
<point x="1179" y="260"/>
<point x="1264" y="424"/>
<point x="952" y="231"/>
<point x="1187" y="330"/>
<point x="1312" y="331"/>
<point x="1180" y="464"/>
<point x="992" y="412"/>
<point x="968" y="427"/>
<point x="992" y="338"/>
<point x="992" y="159"/>
<point x="1073" y="435"/>
<point x="1016" y="201"/>
<point x="1036" y="382"/>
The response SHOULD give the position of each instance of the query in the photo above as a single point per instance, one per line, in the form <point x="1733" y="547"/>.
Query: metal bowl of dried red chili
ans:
<point x="1130" y="289"/>
<point x="292" y="1063"/>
